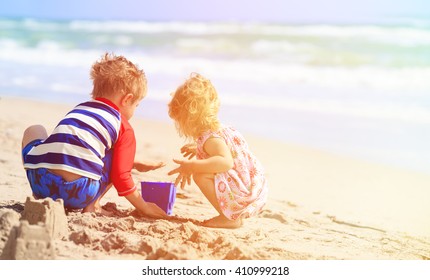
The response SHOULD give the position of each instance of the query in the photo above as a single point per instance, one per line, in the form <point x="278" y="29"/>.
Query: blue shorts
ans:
<point x="75" y="194"/>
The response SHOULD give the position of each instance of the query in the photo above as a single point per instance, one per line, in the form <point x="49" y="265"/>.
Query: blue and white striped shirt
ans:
<point x="80" y="141"/>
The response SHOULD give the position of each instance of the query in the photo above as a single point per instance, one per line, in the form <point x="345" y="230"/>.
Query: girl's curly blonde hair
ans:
<point x="194" y="107"/>
<point x="114" y="75"/>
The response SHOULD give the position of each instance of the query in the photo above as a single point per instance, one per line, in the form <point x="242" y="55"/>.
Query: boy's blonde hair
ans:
<point x="114" y="75"/>
<point x="194" y="107"/>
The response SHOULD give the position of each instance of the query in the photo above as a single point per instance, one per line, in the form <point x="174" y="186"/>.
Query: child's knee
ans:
<point x="32" y="133"/>
<point x="36" y="129"/>
<point x="202" y="178"/>
<point x="197" y="178"/>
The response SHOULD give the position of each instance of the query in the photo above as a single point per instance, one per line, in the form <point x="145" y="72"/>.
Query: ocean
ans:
<point x="360" y="90"/>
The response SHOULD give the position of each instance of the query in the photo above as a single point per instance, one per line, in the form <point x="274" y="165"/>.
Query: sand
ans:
<point x="321" y="206"/>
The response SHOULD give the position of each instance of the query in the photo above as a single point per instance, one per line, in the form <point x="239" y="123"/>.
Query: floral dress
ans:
<point x="241" y="191"/>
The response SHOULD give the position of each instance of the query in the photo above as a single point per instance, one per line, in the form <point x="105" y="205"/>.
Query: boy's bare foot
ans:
<point x="222" y="222"/>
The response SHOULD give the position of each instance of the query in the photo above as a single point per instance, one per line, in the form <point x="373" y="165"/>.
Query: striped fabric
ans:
<point x="79" y="142"/>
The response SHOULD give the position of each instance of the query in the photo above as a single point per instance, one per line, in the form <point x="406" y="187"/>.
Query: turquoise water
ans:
<point x="358" y="90"/>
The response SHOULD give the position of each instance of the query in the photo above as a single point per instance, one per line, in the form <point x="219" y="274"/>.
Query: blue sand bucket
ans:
<point x="161" y="193"/>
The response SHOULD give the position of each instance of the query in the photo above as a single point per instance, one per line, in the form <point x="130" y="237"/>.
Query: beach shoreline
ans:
<point x="321" y="206"/>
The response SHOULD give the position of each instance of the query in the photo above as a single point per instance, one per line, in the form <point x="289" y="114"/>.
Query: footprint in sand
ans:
<point x="273" y="215"/>
<point x="114" y="241"/>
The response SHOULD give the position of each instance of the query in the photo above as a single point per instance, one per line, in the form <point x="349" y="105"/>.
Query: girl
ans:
<point x="225" y="170"/>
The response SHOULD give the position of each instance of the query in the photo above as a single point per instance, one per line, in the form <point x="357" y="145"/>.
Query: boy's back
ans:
<point x="79" y="142"/>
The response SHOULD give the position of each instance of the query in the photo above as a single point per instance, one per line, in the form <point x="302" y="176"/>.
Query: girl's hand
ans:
<point x="145" y="167"/>
<point x="185" y="172"/>
<point x="185" y="166"/>
<point x="183" y="179"/>
<point x="189" y="150"/>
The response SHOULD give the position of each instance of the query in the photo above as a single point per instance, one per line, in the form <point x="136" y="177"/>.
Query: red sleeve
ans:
<point x="123" y="160"/>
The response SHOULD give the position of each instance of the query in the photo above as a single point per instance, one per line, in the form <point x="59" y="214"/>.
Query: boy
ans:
<point x="94" y="145"/>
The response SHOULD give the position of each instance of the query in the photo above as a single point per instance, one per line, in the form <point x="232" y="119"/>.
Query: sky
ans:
<point x="286" y="11"/>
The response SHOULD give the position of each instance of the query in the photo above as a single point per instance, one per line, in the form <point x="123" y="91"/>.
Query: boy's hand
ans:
<point x="145" y="166"/>
<point x="148" y="209"/>
<point x="152" y="210"/>
<point x="189" y="150"/>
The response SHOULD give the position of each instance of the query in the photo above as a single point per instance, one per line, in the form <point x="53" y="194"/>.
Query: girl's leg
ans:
<point x="206" y="183"/>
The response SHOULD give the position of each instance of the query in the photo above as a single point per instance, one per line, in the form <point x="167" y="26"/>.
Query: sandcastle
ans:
<point x="49" y="212"/>
<point x="42" y="221"/>
<point x="29" y="242"/>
